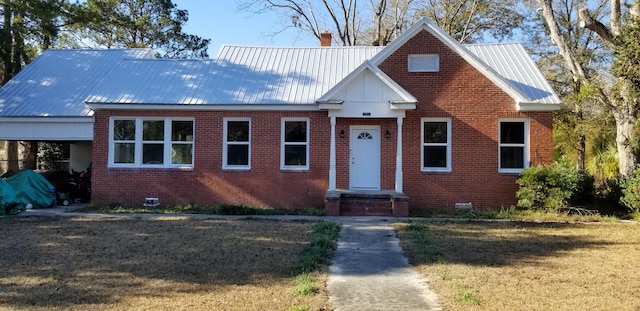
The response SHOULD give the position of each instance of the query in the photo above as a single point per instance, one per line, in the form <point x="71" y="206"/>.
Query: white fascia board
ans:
<point x="47" y="128"/>
<point x="403" y="106"/>
<point x="533" y="107"/>
<point x="428" y="25"/>
<point x="46" y="119"/>
<point x="330" y="105"/>
<point x="207" y="107"/>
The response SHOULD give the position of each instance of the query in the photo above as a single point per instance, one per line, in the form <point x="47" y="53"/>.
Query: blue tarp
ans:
<point x="9" y="203"/>
<point x="32" y="188"/>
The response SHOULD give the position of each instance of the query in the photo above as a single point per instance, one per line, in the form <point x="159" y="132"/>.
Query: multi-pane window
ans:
<point x="124" y="141"/>
<point x="295" y="144"/>
<point x="237" y="143"/>
<point x="436" y="144"/>
<point x="513" y="145"/>
<point x="138" y="142"/>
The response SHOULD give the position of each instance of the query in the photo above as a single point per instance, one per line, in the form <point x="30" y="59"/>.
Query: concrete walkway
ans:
<point x="369" y="270"/>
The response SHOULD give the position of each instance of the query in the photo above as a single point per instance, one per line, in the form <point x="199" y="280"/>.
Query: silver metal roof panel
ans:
<point x="57" y="82"/>
<point x="512" y="62"/>
<point x="240" y="75"/>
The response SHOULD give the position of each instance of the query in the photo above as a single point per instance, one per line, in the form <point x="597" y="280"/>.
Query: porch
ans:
<point x="366" y="203"/>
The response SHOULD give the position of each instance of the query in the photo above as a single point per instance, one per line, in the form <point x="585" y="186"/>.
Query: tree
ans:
<point x="621" y="97"/>
<point x="155" y="24"/>
<point x="380" y="21"/>
<point x="27" y="27"/>
<point x="471" y="21"/>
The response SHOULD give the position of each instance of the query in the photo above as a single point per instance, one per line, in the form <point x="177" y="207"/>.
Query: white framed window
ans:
<point x="513" y="154"/>
<point x="424" y="63"/>
<point x="294" y="153"/>
<point x="237" y="143"/>
<point x="436" y="145"/>
<point x="151" y="142"/>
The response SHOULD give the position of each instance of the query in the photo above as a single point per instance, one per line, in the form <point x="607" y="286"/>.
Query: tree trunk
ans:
<point x="624" y="131"/>
<point x="12" y="156"/>
<point x="581" y="152"/>
<point x="31" y="155"/>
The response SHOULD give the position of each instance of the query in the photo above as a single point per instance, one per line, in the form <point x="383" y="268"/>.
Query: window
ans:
<point x="424" y="63"/>
<point x="147" y="142"/>
<point x="237" y="143"/>
<point x="513" y="146"/>
<point x="436" y="144"/>
<point x="295" y="144"/>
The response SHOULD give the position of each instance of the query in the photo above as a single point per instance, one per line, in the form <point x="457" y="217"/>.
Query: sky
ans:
<point x="223" y="23"/>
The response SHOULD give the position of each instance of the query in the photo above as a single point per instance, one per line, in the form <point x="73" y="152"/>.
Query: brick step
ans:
<point x="366" y="205"/>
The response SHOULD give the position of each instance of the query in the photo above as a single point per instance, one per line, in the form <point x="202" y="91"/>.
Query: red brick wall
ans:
<point x="264" y="185"/>
<point x="474" y="104"/>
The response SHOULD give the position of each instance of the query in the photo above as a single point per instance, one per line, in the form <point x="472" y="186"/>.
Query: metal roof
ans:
<point x="240" y="75"/>
<point x="57" y="82"/>
<point x="285" y="75"/>
<point x="513" y="63"/>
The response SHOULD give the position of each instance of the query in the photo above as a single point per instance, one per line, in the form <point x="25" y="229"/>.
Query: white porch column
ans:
<point x="399" y="157"/>
<point x="332" y="156"/>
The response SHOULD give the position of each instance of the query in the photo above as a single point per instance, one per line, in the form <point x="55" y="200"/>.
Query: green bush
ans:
<point x="553" y="186"/>
<point x="631" y="192"/>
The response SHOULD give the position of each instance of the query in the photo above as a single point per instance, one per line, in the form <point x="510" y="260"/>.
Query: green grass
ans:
<point x="305" y="285"/>
<point x="319" y="249"/>
<point x="205" y="209"/>
<point x="314" y="255"/>
<point x="514" y="213"/>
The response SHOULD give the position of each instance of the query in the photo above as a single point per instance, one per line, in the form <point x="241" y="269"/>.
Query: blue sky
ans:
<point x="221" y="22"/>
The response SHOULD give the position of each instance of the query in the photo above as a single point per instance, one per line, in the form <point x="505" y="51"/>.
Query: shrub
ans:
<point x="631" y="192"/>
<point x="553" y="186"/>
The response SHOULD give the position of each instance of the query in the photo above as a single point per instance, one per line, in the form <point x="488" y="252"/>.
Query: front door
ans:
<point x="364" y="167"/>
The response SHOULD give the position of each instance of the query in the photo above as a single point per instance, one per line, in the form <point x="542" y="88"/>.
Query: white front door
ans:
<point x="364" y="159"/>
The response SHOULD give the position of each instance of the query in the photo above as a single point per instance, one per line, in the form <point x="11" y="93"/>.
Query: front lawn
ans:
<point x="153" y="264"/>
<point x="527" y="266"/>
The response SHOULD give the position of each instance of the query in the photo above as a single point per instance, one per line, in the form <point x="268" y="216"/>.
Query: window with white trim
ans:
<point x="237" y="143"/>
<point x="294" y="152"/>
<point x="151" y="142"/>
<point x="424" y="63"/>
<point x="513" y="145"/>
<point x="436" y="145"/>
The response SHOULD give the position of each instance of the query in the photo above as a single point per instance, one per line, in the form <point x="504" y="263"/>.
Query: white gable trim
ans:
<point x="395" y="106"/>
<point x="367" y="65"/>
<point x="433" y="29"/>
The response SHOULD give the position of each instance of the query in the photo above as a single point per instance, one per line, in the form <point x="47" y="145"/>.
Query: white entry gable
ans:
<point x="367" y="92"/>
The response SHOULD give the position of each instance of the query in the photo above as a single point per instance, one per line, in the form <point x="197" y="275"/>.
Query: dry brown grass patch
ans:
<point x="528" y="266"/>
<point x="151" y="264"/>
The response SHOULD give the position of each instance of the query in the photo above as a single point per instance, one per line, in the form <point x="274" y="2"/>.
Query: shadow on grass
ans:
<point x="500" y="244"/>
<point x="66" y="262"/>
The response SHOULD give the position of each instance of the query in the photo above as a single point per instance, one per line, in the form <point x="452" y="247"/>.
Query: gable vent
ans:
<point x="424" y="63"/>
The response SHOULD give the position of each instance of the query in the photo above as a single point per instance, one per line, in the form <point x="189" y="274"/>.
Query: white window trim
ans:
<point x="282" y="145"/>
<point x="423" y="144"/>
<point x="525" y="145"/>
<point x="416" y="63"/>
<point x="167" y="143"/>
<point x="226" y="144"/>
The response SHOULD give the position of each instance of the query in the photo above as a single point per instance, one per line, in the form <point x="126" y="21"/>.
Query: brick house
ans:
<point x="424" y="122"/>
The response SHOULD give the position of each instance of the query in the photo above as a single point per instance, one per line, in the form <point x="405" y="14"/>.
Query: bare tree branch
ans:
<point x="588" y="22"/>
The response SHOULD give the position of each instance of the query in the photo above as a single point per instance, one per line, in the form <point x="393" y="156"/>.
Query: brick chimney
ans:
<point x="325" y="38"/>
